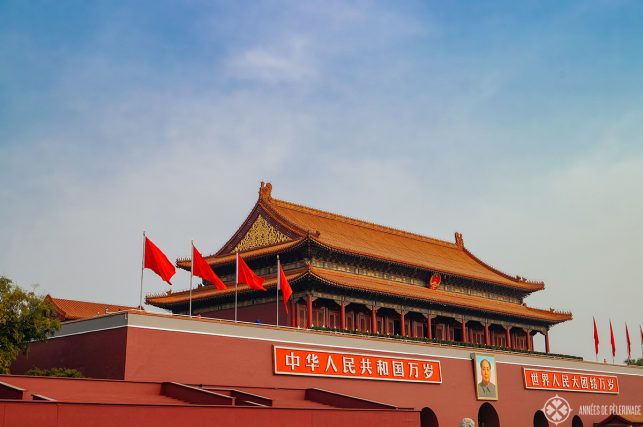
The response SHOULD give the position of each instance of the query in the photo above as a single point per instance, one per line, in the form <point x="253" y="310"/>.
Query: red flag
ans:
<point x="612" y="340"/>
<point x="629" y="345"/>
<point x="247" y="276"/>
<point x="203" y="270"/>
<point x="595" y="337"/>
<point x="286" y="290"/>
<point x="156" y="261"/>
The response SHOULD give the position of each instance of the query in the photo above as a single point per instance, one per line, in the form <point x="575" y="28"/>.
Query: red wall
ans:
<point x="264" y="313"/>
<point x="46" y="414"/>
<point x="161" y="355"/>
<point x="98" y="354"/>
<point x="214" y="360"/>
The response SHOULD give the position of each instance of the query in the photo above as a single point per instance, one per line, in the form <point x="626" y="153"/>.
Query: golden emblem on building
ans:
<point x="260" y="234"/>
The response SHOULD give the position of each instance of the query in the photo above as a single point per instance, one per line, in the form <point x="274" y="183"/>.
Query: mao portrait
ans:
<point x="486" y="377"/>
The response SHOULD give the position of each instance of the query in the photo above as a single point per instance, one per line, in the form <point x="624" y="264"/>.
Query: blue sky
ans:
<point x="519" y="125"/>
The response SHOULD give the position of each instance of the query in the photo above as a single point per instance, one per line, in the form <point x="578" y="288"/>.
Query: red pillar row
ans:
<point x="342" y="315"/>
<point x="547" y="342"/>
<point x="508" y="336"/>
<point x="487" y="338"/>
<point x="374" y="319"/>
<point x="309" y="304"/>
<point x="529" y="341"/>
<point x="292" y="316"/>
<point x="429" y="332"/>
<point x="464" y="331"/>
<point x="402" y="324"/>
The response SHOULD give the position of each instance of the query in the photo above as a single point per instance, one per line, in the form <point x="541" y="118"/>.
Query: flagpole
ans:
<point x="140" y="304"/>
<point x="612" y="341"/>
<point x="595" y="336"/>
<point x="236" y="286"/>
<point x="191" y="273"/>
<point x="278" y="286"/>
<point x="627" y="339"/>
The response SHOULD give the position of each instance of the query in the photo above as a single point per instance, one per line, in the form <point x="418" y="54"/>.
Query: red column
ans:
<point x="547" y="342"/>
<point x="429" y="332"/>
<point x="508" y="336"/>
<point x="342" y="315"/>
<point x="402" y="325"/>
<point x="487" y="338"/>
<point x="373" y="319"/>
<point x="529" y="343"/>
<point x="310" y="310"/>
<point x="464" y="331"/>
<point x="292" y="314"/>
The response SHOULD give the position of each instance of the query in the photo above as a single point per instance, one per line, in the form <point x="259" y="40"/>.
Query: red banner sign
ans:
<point x="299" y="361"/>
<point x="539" y="379"/>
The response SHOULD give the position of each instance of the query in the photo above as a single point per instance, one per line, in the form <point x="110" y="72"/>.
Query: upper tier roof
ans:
<point x="353" y="236"/>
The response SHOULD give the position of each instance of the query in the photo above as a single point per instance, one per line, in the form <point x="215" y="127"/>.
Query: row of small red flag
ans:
<point x="156" y="261"/>
<point x="613" y="342"/>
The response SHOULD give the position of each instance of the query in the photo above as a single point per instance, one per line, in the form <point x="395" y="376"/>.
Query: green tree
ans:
<point x="55" y="372"/>
<point x="24" y="317"/>
<point x="638" y="362"/>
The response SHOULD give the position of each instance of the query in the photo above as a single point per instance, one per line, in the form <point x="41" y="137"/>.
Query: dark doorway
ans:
<point x="457" y="333"/>
<point x="487" y="416"/>
<point x="540" y="420"/>
<point x="577" y="422"/>
<point x="397" y="330"/>
<point x="428" y="418"/>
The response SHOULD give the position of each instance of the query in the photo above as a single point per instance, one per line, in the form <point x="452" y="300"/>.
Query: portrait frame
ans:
<point x="485" y="392"/>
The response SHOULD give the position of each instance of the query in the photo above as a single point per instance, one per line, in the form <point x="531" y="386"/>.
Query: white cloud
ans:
<point x="291" y="61"/>
<point x="396" y="133"/>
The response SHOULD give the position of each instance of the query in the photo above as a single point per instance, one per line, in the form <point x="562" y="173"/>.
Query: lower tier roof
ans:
<point x="377" y="286"/>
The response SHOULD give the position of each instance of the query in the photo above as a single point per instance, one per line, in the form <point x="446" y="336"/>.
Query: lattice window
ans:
<point x="380" y="325"/>
<point x="363" y="322"/>
<point x="350" y="321"/>
<point x="319" y="316"/>
<point x="418" y="329"/>
<point x="302" y="319"/>
<point x="476" y="335"/>
<point x="499" y="339"/>
<point x="518" y="340"/>
<point x="333" y="319"/>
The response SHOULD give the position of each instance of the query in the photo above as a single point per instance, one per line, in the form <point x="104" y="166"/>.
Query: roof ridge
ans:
<point x="362" y="223"/>
<point x="515" y="278"/>
<point x="248" y="253"/>
<point x="459" y="243"/>
<point x="524" y="284"/>
<point x="549" y="310"/>
<point x="262" y="203"/>
<point x="238" y="231"/>
<point x="87" y="302"/>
